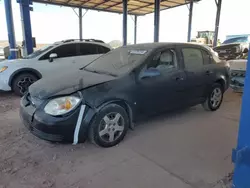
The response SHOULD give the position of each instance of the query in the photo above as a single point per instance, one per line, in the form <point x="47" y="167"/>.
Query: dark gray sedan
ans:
<point x="103" y="99"/>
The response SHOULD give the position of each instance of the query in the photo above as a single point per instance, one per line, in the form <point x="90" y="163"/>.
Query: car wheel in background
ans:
<point x="214" y="98"/>
<point x="109" y="126"/>
<point x="22" y="82"/>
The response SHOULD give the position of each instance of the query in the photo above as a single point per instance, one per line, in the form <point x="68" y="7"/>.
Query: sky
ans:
<point x="54" y="23"/>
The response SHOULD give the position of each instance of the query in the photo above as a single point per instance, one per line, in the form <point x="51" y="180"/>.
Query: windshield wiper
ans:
<point x="99" y="72"/>
<point x="82" y="68"/>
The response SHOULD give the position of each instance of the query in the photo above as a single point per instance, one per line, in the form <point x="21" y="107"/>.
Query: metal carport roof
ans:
<point x="135" y="7"/>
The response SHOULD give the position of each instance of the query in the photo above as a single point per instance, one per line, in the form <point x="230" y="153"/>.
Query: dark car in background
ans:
<point x="233" y="48"/>
<point x="102" y="100"/>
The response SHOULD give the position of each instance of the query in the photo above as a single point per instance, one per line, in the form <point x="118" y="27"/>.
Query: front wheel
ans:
<point x="214" y="98"/>
<point x="22" y="82"/>
<point x="109" y="126"/>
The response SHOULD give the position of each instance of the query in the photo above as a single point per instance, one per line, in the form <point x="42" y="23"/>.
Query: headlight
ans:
<point x="62" y="105"/>
<point x="3" y="68"/>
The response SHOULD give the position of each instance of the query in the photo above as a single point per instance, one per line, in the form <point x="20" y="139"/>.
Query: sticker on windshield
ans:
<point x="138" y="52"/>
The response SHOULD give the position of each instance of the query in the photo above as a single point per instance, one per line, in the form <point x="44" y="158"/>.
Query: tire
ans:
<point x="109" y="126"/>
<point x="21" y="83"/>
<point x="213" y="102"/>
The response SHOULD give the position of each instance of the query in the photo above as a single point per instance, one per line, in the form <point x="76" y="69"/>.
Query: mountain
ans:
<point x="115" y="43"/>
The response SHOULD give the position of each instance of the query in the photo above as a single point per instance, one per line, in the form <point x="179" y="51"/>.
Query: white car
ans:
<point x="1" y="53"/>
<point x="17" y="75"/>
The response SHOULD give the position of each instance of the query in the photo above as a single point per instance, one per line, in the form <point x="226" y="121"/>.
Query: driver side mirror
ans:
<point x="151" y="72"/>
<point x="52" y="57"/>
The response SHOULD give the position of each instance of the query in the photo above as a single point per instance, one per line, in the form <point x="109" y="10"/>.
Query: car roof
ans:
<point x="157" y="45"/>
<point x="79" y="41"/>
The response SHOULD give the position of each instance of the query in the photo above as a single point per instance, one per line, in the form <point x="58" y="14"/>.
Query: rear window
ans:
<point x="236" y="40"/>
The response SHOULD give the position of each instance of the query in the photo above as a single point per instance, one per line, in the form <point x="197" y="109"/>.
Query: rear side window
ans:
<point x="88" y="49"/>
<point x="103" y="50"/>
<point x="193" y="58"/>
<point x="206" y="57"/>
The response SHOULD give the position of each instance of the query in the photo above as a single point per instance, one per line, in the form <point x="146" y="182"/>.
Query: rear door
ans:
<point x="165" y="91"/>
<point x="196" y="73"/>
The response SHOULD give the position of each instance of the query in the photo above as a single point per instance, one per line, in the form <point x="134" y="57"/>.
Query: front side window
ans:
<point x="66" y="50"/>
<point x="164" y="61"/>
<point x="39" y="52"/>
<point x="192" y="58"/>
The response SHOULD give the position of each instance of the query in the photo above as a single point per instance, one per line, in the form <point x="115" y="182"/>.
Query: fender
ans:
<point x="223" y="78"/>
<point x="24" y="70"/>
<point x="131" y="111"/>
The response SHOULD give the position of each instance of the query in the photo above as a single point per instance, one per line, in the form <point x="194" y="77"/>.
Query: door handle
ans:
<point x="179" y="78"/>
<point x="208" y="72"/>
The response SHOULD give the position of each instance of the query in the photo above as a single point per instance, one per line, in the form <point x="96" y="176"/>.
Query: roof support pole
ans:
<point x="80" y="23"/>
<point x="217" y="22"/>
<point x="190" y="20"/>
<point x="26" y="25"/>
<point x="241" y="155"/>
<point x="11" y="30"/>
<point x="156" y="20"/>
<point x="125" y="19"/>
<point x="135" y="30"/>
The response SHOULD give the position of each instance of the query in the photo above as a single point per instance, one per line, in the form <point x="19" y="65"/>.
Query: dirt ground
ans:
<point x="184" y="149"/>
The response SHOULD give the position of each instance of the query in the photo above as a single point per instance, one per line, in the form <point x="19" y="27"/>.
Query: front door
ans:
<point x="65" y="60"/>
<point x="165" y="90"/>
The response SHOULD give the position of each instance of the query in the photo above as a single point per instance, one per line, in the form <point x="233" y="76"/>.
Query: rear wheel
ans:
<point x="109" y="126"/>
<point x="22" y="82"/>
<point x="214" y="98"/>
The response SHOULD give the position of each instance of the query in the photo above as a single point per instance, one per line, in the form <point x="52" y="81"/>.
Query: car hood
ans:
<point x="14" y="61"/>
<point x="66" y="83"/>
<point x="227" y="46"/>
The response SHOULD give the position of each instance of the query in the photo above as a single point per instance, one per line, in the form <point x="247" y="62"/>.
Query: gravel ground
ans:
<point x="27" y="162"/>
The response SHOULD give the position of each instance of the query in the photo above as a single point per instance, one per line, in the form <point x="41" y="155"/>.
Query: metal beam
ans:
<point x="241" y="155"/>
<point x="149" y="4"/>
<point x="11" y="30"/>
<point x="104" y="1"/>
<point x="26" y="25"/>
<point x="80" y="23"/>
<point x="190" y="20"/>
<point x="77" y="6"/>
<point x="85" y="2"/>
<point x="119" y="3"/>
<point x="217" y="22"/>
<point x="124" y="25"/>
<point x="135" y="30"/>
<point x="156" y="20"/>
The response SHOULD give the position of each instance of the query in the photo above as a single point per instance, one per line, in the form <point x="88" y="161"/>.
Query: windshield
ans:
<point x="39" y="52"/>
<point x="236" y="40"/>
<point x="119" y="61"/>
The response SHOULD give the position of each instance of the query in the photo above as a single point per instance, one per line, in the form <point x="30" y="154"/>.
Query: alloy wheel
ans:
<point x="215" y="98"/>
<point x="111" y="127"/>
<point x="24" y="84"/>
